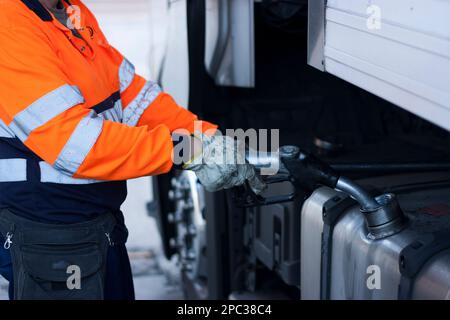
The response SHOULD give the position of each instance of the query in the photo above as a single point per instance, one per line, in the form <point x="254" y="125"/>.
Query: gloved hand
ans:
<point x="221" y="164"/>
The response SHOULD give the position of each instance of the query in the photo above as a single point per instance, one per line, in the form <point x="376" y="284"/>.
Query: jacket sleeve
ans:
<point x="161" y="109"/>
<point x="143" y="101"/>
<point x="49" y="115"/>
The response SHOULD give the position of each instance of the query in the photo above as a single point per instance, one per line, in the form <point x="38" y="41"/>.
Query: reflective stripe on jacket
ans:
<point x="73" y="112"/>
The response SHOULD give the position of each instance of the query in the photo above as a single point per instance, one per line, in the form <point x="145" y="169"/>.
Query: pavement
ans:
<point x="155" y="278"/>
<point x="3" y="289"/>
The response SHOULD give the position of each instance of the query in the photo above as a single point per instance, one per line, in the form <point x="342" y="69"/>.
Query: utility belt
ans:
<point x="58" y="261"/>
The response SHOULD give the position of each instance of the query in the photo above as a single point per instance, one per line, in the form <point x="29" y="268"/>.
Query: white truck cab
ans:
<point x="398" y="50"/>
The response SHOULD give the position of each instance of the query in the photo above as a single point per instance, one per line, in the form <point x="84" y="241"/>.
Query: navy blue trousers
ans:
<point x="118" y="282"/>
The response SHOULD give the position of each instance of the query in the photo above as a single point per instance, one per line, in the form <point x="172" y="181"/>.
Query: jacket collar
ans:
<point x="39" y="9"/>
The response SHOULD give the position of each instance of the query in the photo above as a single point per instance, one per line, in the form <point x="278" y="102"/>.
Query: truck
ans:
<point x="359" y="92"/>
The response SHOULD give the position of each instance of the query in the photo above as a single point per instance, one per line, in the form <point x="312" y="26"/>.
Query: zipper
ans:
<point x="111" y="243"/>
<point x="8" y="241"/>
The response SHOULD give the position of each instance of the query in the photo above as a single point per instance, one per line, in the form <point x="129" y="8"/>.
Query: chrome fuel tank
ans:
<point x="353" y="254"/>
<point x="361" y="268"/>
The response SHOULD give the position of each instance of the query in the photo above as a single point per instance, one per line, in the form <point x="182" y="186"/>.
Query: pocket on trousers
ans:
<point x="61" y="272"/>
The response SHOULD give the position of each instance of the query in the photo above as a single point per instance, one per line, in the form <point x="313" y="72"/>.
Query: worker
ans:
<point x="76" y="122"/>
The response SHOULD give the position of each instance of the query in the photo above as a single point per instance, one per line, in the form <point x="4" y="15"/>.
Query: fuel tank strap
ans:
<point x="413" y="257"/>
<point x="332" y="210"/>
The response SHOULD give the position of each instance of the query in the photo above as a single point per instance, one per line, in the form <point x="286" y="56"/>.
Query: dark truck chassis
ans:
<point x="253" y="252"/>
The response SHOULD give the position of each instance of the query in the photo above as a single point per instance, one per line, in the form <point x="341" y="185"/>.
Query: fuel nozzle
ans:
<point x="306" y="170"/>
<point x="383" y="214"/>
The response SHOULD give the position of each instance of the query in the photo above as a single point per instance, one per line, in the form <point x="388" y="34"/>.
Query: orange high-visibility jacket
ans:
<point x="77" y="104"/>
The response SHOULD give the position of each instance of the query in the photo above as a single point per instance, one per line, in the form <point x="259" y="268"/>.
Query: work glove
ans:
<point x="221" y="164"/>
